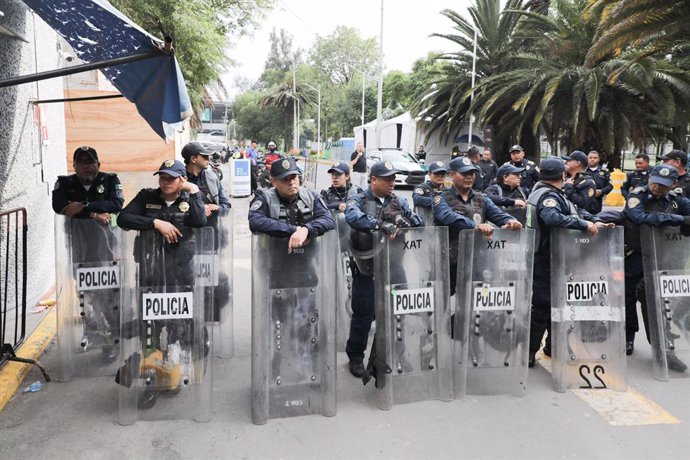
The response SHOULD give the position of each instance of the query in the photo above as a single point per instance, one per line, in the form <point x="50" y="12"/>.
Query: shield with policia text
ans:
<point x="492" y="312"/>
<point x="88" y="277"/>
<point x="666" y="259"/>
<point x="293" y="327"/>
<point x="587" y="309"/>
<point x="412" y="356"/>
<point x="165" y="356"/>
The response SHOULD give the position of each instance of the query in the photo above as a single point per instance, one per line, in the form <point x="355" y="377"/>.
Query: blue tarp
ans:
<point x="97" y="31"/>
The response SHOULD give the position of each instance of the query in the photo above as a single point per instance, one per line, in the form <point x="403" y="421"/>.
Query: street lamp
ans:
<point x="474" y="68"/>
<point x="318" y="118"/>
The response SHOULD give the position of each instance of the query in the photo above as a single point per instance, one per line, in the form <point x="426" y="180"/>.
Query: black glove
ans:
<point x="388" y="228"/>
<point x="401" y="222"/>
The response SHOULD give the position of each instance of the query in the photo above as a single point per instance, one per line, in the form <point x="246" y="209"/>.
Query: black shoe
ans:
<point x="531" y="361"/>
<point x="674" y="363"/>
<point x="357" y="369"/>
<point x="629" y="347"/>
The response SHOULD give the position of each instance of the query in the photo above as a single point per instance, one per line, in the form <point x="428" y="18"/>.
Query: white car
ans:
<point x="410" y="171"/>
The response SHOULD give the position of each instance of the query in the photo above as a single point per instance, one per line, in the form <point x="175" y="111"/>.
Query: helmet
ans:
<point x="271" y="145"/>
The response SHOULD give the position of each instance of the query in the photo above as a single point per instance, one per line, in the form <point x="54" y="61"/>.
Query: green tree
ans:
<point x="344" y="53"/>
<point x="201" y="30"/>
<point x="280" y="60"/>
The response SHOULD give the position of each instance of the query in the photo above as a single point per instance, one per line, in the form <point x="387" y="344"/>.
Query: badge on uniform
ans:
<point x="285" y="164"/>
<point x="419" y="191"/>
<point x="184" y="206"/>
<point x="437" y="199"/>
<point x="388" y="165"/>
<point x="336" y="164"/>
<point x="439" y="163"/>
<point x="590" y="192"/>
<point x="602" y="173"/>
<point x="633" y="202"/>
<point x="527" y="167"/>
<point x="550" y="203"/>
<point x="100" y="188"/>
<point x="256" y="205"/>
<point x="665" y="172"/>
<point x="169" y="163"/>
<point x="477" y="218"/>
<point x="153" y="206"/>
<point x="466" y="161"/>
<point x="679" y="190"/>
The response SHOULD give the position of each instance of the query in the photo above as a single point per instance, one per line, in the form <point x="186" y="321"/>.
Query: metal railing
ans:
<point x="13" y="267"/>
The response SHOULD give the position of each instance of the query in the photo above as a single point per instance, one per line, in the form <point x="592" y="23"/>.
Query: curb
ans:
<point x="13" y="373"/>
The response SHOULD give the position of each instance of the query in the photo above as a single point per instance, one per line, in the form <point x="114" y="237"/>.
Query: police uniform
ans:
<point x="334" y="197"/>
<point x="367" y="213"/>
<point x="452" y="210"/>
<point x="633" y="180"/>
<point x="104" y="195"/>
<point x="529" y="176"/>
<point x="581" y="192"/>
<point x="683" y="180"/>
<point x="423" y="194"/>
<point x="602" y="181"/>
<point x="489" y="169"/>
<point x="643" y="208"/>
<point x="548" y="207"/>
<point x="683" y="187"/>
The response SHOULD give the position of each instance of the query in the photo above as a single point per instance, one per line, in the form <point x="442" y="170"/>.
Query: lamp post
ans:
<point x="379" y="97"/>
<point x="318" y="118"/>
<point x="474" y="68"/>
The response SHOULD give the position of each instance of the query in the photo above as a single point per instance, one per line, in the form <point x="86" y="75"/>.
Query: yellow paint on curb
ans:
<point x="620" y="408"/>
<point x="13" y="373"/>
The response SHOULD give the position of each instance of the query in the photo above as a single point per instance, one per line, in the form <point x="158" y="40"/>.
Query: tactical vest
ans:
<point x="210" y="187"/>
<point x="297" y="213"/>
<point x="156" y="208"/>
<point x="372" y="207"/>
<point x="334" y="195"/>
<point x="473" y="210"/>
<point x="533" y="207"/>
<point x="638" y="179"/>
<point x="516" y="193"/>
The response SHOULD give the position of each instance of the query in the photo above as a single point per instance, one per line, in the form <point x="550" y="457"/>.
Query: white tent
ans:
<point x="396" y="133"/>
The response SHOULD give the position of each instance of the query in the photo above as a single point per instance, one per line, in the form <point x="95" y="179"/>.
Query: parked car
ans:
<point x="410" y="171"/>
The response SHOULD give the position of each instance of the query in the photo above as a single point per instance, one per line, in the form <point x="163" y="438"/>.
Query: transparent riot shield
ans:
<point x="427" y="215"/>
<point x="412" y="348"/>
<point x="666" y="259"/>
<point x="214" y="270"/>
<point x="165" y="356"/>
<point x="492" y="312"/>
<point x="587" y="309"/>
<point x="87" y="267"/>
<point x="343" y="282"/>
<point x="293" y="328"/>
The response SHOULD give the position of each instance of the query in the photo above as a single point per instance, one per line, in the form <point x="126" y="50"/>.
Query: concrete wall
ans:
<point x="29" y="164"/>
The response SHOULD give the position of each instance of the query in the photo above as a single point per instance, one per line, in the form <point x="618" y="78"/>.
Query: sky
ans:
<point x="407" y="25"/>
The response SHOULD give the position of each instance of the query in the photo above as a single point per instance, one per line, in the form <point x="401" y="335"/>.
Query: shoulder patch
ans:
<point x="256" y="205"/>
<point x="590" y="192"/>
<point x="100" y="188"/>
<point x="351" y="202"/>
<point x="118" y="186"/>
<point x="437" y="199"/>
<point x="184" y="206"/>
<point x="550" y="203"/>
<point x="633" y="202"/>
<point x="419" y="191"/>
<point x="602" y="173"/>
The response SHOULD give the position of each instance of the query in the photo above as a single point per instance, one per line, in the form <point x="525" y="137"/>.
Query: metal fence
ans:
<point x="13" y="266"/>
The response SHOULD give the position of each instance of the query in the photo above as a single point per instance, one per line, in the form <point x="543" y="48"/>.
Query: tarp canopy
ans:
<point x="97" y="32"/>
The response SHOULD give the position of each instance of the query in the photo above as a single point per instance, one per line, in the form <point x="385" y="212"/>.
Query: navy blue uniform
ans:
<point x="633" y="180"/>
<point x="423" y="194"/>
<point x="489" y="170"/>
<point x="581" y="193"/>
<point x="683" y="187"/>
<point x="548" y="207"/>
<point x="451" y="210"/>
<point x="293" y="214"/>
<point x="334" y="197"/>
<point x="529" y="176"/>
<point x="366" y="213"/>
<point x="602" y="181"/>
<point x="104" y="195"/>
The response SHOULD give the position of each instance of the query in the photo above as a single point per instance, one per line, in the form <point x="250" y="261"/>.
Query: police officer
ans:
<point x="88" y="193"/>
<point x="423" y="193"/>
<point x="196" y="159"/>
<point x="289" y="210"/>
<point x="460" y="207"/>
<point x="579" y="188"/>
<point x="421" y="154"/>
<point x="657" y="204"/>
<point x="548" y="207"/>
<point x="679" y="160"/>
<point x="473" y="155"/>
<point x="455" y="152"/>
<point x="91" y="194"/>
<point x="637" y="178"/>
<point x="341" y="190"/>
<point x="378" y="208"/>
<point x="601" y="178"/>
<point x="507" y="193"/>
<point x="530" y="175"/>
<point x="489" y="167"/>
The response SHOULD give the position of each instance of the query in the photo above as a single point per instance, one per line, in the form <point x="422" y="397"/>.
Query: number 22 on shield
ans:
<point x="598" y="371"/>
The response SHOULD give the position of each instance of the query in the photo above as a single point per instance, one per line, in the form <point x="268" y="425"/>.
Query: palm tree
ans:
<point x="445" y="104"/>
<point x="284" y="97"/>
<point x="553" y="90"/>
<point x="651" y="26"/>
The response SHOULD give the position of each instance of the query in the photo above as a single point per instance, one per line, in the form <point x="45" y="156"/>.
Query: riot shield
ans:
<point x="666" y="259"/>
<point x="87" y="268"/>
<point x="293" y="327"/>
<point x="492" y="312"/>
<point x="165" y="356"/>
<point x="587" y="309"/>
<point x="426" y="213"/>
<point x="412" y="348"/>
<point x="343" y="282"/>
<point x="214" y="271"/>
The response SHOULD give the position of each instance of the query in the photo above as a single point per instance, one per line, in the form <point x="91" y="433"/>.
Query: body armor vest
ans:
<point x="298" y="213"/>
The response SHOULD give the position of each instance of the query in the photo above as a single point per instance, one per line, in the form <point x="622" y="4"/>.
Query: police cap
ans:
<point x="508" y="169"/>
<point x="551" y="168"/>
<point x="173" y="168"/>
<point x="382" y="169"/>
<point x="516" y="148"/>
<point x="462" y="165"/>
<point x="676" y="155"/>
<point x="577" y="155"/>
<point x="285" y="167"/>
<point x="195" y="148"/>
<point x="663" y="175"/>
<point x="437" y="167"/>
<point x="340" y="167"/>
<point x="90" y="151"/>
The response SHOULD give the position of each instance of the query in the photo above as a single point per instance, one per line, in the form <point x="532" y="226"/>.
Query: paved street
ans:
<point x="78" y="419"/>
